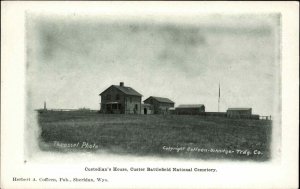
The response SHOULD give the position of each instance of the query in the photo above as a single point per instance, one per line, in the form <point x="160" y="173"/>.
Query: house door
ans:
<point x="135" y="109"/>
<point x="145" y="110"/>
<point x="108" y="108"/>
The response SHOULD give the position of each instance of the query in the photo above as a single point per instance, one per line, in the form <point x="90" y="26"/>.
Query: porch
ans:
<point x="113" y="108"/>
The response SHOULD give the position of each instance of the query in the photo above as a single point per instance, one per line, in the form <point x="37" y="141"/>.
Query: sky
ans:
<point x="71" y="60"/>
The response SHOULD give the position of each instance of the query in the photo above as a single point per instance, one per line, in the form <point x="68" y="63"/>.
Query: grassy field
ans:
<point x="181" y="136"/>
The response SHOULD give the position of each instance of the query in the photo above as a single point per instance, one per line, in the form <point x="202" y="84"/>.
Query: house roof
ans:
<point x="190" y="105"/>
<point x="160" y="99"/>
<point x="239" y="108"/>
<point x="125" y="90"/>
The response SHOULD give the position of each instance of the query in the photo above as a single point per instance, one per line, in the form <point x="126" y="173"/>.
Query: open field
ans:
<point x="181" y="136"/>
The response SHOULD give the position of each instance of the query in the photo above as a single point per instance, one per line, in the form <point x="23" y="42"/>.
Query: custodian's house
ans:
<point x="120" y="99"/>
<point x="239" y="112"/>
<point x="160" y="105"/>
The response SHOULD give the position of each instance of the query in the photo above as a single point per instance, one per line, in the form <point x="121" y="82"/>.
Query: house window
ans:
<point x="130" y="99"/>
<point x="108" y="97"/>
<point x="117" y="97"/>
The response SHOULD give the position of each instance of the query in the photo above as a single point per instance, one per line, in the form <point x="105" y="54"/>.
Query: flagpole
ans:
<point x="219" y="99"/>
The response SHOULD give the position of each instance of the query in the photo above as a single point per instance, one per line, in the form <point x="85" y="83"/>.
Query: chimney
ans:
<point x="121" y="84"/>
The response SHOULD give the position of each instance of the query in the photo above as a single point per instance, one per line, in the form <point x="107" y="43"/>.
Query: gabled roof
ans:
<point x="125" y="90"/>
<point x="160" y="99"/>
<point x="239" y="108"/>
<point x="190" y="106"/>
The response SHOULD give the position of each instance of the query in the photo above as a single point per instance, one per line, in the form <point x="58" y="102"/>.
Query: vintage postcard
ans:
<point x="149" y="95"/>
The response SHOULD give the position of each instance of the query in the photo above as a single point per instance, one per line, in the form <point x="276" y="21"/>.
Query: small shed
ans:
<point x="147" y="109"/>
<point x="190" y="109"/>
<point x="239" y="112"/>
<point x="172" y="110"/>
